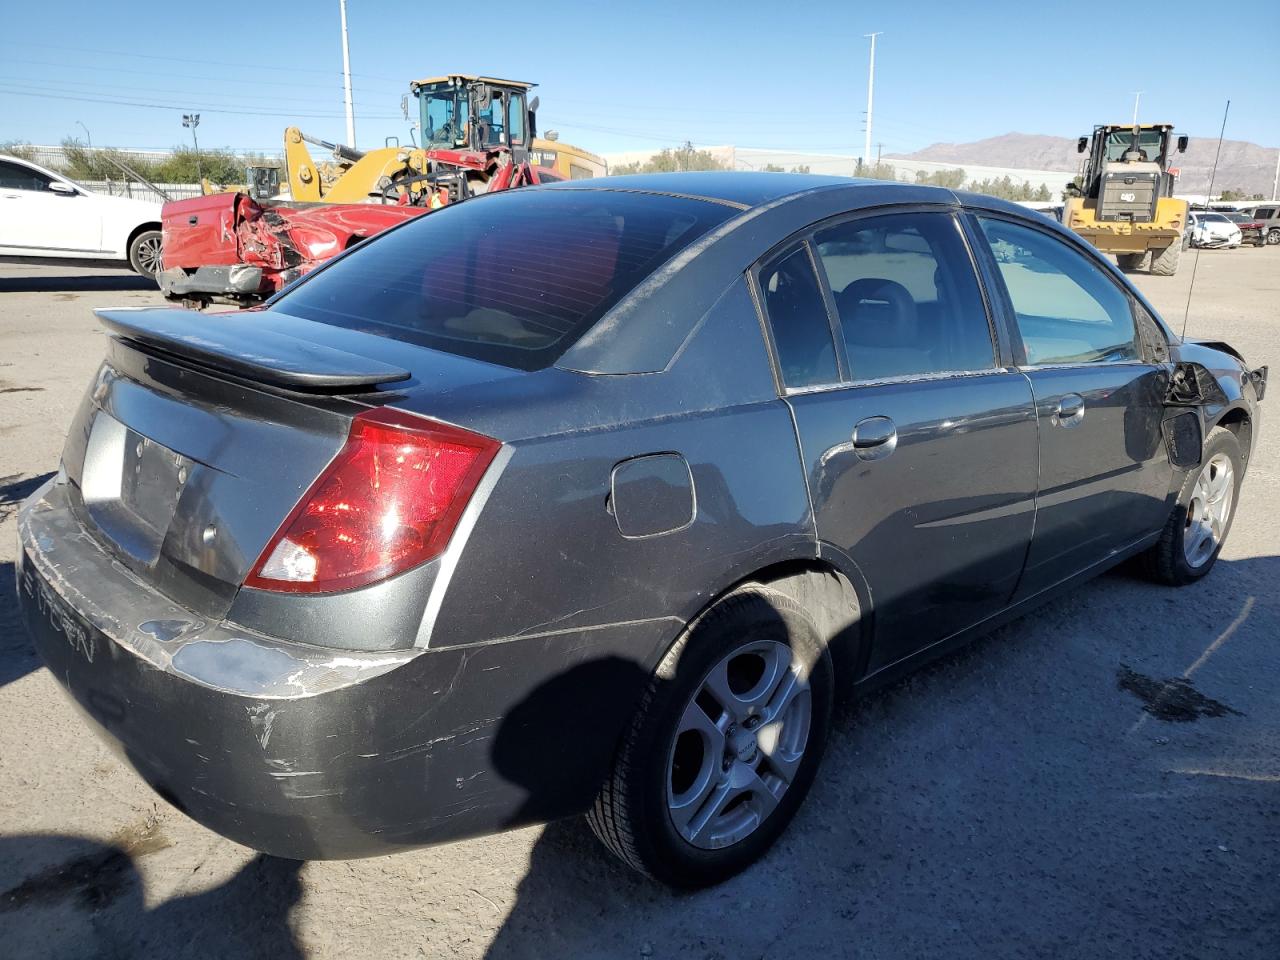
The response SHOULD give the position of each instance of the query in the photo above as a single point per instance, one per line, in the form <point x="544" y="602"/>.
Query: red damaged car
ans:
<point x="228" y="248"/>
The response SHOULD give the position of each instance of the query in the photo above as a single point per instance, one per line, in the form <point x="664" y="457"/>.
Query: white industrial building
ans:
<point x="754" y="158"/>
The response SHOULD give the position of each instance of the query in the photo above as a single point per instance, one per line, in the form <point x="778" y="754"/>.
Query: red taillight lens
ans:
<point x="389" y="501"/>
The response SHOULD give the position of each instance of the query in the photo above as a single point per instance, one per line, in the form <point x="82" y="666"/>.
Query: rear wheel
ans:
<point x="724" y="746"/>
<point x="1164" y="263"/>
<point x="1130" y="262"/>
<point x="145" y="252"/>
<point x="1199" y="524"/>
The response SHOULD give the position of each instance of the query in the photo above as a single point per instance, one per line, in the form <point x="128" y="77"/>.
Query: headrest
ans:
<point x="878" y="313"/>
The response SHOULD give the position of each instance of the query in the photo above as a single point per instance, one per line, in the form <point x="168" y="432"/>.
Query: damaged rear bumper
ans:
<point x="237" y="280"/>
<point x="308" y="752"/>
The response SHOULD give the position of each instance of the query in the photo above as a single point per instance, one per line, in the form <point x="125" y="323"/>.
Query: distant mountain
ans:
<point x="1243" y="166"/>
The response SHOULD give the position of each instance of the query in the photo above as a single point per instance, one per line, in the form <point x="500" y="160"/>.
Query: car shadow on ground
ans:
<point x="17" y="655"/>
<point x="1007" y="799"/>
<point x="83" y="899"/>
<point x="76" y="284"/>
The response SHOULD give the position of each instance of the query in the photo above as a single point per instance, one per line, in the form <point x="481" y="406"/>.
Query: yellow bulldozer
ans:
<point x="1124" y="203"/>
<point x="477" y="134"/>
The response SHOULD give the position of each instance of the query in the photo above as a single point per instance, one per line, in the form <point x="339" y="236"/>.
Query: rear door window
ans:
<point x="907" y="296"/>
<point x="514" y="278"/>
<point x="1068" y="311"/>
<point x="798" y="319"/>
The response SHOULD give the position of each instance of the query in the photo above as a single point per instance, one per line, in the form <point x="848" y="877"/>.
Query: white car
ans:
<point x="43" y="214"/>
<point x="1210" y="229"/>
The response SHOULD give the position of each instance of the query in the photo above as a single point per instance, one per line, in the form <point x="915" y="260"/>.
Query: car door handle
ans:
<point x="1070" y="410"/>
<point x="874" y="438"/>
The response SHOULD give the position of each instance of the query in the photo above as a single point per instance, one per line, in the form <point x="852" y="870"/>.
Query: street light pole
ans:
<point x="1275" y="181"/>
<point x="192" y="120"/>
<point x="88" y="138"/>
<point x="346" y="76"/>
<point x="871" y="85"/>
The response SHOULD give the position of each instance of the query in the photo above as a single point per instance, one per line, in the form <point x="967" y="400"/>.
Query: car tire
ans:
<point x="1173" y="560"/>
<point x="1273" y="237"/>
<point x="658" y="809"/>
<point x="1165" y="263"/>
<point x="144" y="253"/>
<point x="1129" y="262"/>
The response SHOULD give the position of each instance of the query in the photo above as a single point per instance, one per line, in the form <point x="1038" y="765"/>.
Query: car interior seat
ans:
<point x="881" y="330"/>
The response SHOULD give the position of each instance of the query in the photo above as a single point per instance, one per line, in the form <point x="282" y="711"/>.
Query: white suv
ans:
<point x="43" y="214"/>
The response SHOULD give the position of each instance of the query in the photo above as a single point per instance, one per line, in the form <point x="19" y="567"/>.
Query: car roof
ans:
<point x="740" y="188"/>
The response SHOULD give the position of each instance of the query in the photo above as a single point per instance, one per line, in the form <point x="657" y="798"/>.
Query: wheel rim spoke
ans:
<point x="742" y="704"/>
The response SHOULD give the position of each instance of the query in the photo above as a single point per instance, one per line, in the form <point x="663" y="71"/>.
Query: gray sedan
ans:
<point x="593" y="498"/>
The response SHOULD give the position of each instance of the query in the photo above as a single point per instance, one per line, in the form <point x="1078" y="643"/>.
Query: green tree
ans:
<point x="878" y="171"/>
<point x="19" y="149"/>
<point x="217" y="166"/>
<point x="952" y="179"/>
<point x="772" y="168"/>
<point x="1006" y="188"/>
<point x="1042" y="193"/>
<point x="685" y="157"/>
<point x="802" y="168"/>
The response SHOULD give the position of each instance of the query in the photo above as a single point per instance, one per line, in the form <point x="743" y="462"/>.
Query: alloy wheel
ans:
<point x="149" y="255"/>
<point x="738" y="744"/>
<point x="1209" y="510"/>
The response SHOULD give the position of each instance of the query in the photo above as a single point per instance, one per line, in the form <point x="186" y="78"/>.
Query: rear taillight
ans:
<point x="389" y="501"/>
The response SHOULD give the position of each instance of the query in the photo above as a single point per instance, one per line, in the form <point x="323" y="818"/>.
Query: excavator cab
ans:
<point x="470" y="113"/>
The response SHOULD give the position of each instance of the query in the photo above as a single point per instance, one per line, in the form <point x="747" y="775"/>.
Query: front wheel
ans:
<point x="145" y="253"/>
<point x="1273" y="237"/>
<point x="1198" y="527"/>
<point x="724" y="746"/>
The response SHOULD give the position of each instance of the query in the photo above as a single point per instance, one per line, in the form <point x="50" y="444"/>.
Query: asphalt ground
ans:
<point x="1099" y="779"/>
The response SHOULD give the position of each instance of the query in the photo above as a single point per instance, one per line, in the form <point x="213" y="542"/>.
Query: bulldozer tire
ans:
<point x="1165" y="263"/>
<point x="1130" y="262"/>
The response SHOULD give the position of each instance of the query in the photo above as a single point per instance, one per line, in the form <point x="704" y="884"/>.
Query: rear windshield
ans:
<point x="513" y="278"/>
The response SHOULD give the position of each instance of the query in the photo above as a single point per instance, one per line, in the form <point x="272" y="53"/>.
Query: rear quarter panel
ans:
<point x="547" y="554"/>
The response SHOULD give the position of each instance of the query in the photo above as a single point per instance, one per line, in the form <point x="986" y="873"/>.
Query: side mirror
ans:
<point x="534" y="104"/>
<point x="1182" y="143"/>
<point x="1082" y="144"/>
<point x="57" y="186"/>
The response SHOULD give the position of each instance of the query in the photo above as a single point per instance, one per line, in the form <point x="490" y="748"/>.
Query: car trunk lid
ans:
<point x="202" y="431"/>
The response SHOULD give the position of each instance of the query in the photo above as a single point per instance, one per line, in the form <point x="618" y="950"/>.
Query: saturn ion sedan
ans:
<point x="591" y="498"/>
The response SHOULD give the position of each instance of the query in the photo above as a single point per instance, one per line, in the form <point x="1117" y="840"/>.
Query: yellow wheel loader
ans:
<point x="1124" y="204"/>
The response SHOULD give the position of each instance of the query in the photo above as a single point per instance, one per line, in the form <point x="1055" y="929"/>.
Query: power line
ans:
<point x="132" y="55"/>
<point x="186" y="106"/>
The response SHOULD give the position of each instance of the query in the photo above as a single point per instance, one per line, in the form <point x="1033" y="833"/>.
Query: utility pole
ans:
<point x="346" y="76"/>
<point x="879" y="150"/>
<point x="1275" y="181"/>
<point x="1137" y="98"/>
<point x="871" y="84"/>
<point x="88" y="138"/>
<point x="192" y="120"/>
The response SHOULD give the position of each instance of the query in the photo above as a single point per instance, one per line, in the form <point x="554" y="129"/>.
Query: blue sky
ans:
<point x="638" y="76"/>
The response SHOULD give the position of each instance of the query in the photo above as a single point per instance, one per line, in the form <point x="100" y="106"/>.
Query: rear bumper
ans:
<point x="237" y="280"/>
<point x="307" y="752"/>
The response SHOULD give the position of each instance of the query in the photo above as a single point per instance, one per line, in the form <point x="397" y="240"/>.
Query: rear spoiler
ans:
<point x="243" y="345"/>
